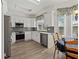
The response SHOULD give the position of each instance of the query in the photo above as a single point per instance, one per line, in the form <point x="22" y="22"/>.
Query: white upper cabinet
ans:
<point x="4" y="6"/>
<point x="33" y="22"/>
<point x="16" y="19"/>
<point x="30" y="22"/>
<point x="40" y="22"/>
<point x="49" y="19"/>
<point x="27" y="22"/>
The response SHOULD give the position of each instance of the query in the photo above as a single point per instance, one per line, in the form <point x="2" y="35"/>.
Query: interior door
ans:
<point x="7" y="33"/>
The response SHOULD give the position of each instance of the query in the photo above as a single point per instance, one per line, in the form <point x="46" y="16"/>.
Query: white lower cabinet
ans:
<point x="13" y="37"/>
<point x="36" y="36"/>
<point x="28" y="35"/>
<point x="32" y="35"/>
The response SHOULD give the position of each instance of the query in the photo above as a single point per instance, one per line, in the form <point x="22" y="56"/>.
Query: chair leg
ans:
<point x="54" y="53"/>
<point x="57" y="51"/>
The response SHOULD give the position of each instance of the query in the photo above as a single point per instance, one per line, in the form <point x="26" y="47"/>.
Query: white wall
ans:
<point x="67" y="25"/>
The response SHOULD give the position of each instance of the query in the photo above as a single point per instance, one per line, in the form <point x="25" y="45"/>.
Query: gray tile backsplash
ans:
<point x="16" y="29"/>
<point x="50" y="29"/>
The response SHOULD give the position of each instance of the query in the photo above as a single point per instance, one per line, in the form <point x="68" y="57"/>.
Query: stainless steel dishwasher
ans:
<point x="44" y="39"/>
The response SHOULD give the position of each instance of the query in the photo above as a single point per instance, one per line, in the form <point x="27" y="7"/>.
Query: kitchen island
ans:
<point x="46" y="39"/>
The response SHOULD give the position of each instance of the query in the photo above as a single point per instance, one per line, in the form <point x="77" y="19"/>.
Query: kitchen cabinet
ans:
<point x="13" y="37"/>
<point x="49" y="19"/>
<point x="36" y="36"/>
<point x="32" y="35"/>
<point x="16" y="19"/>
<point x="46" y="39"/>
<point x="28" y="22"/>
<point x="28" y="35"/>
<point x="33" y="22"/>
<point x="40" y="24"/>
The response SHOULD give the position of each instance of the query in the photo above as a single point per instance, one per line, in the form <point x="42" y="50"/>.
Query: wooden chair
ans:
<point x="55" y="38"/>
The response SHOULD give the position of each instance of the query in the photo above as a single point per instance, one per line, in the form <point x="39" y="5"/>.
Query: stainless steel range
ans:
<point x="20" y="35"/>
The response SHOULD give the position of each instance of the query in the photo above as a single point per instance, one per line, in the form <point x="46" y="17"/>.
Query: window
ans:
<point x="75" y="24"/>
<point x="61" y="24"/>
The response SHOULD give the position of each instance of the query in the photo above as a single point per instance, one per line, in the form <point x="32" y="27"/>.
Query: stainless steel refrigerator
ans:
<point x="7" y="36"/>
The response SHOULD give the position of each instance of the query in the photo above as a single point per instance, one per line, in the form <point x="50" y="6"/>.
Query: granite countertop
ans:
<point x="16" y="29"/>
<point x="46" y="32"/>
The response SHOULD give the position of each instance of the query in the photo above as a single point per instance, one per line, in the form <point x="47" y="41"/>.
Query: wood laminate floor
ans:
<point x="32" y="50"/>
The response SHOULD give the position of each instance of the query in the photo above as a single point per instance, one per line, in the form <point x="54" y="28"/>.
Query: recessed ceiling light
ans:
<point x="35" y="1"/>
<point x="38" y="0"/>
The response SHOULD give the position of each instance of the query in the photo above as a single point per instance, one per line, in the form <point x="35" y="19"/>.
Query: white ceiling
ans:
<point x="28" y="7"/>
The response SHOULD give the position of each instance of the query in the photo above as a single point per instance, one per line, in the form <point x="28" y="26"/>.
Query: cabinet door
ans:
<point x="27" y="23"/>
<point x="13" y="37"/>
<point x="28" y="35"/>
<point x="36" y="36"/>
<point x="48" y="19"/>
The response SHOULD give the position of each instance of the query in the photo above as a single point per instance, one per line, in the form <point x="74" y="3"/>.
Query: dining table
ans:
<point x="70" y="48"/>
